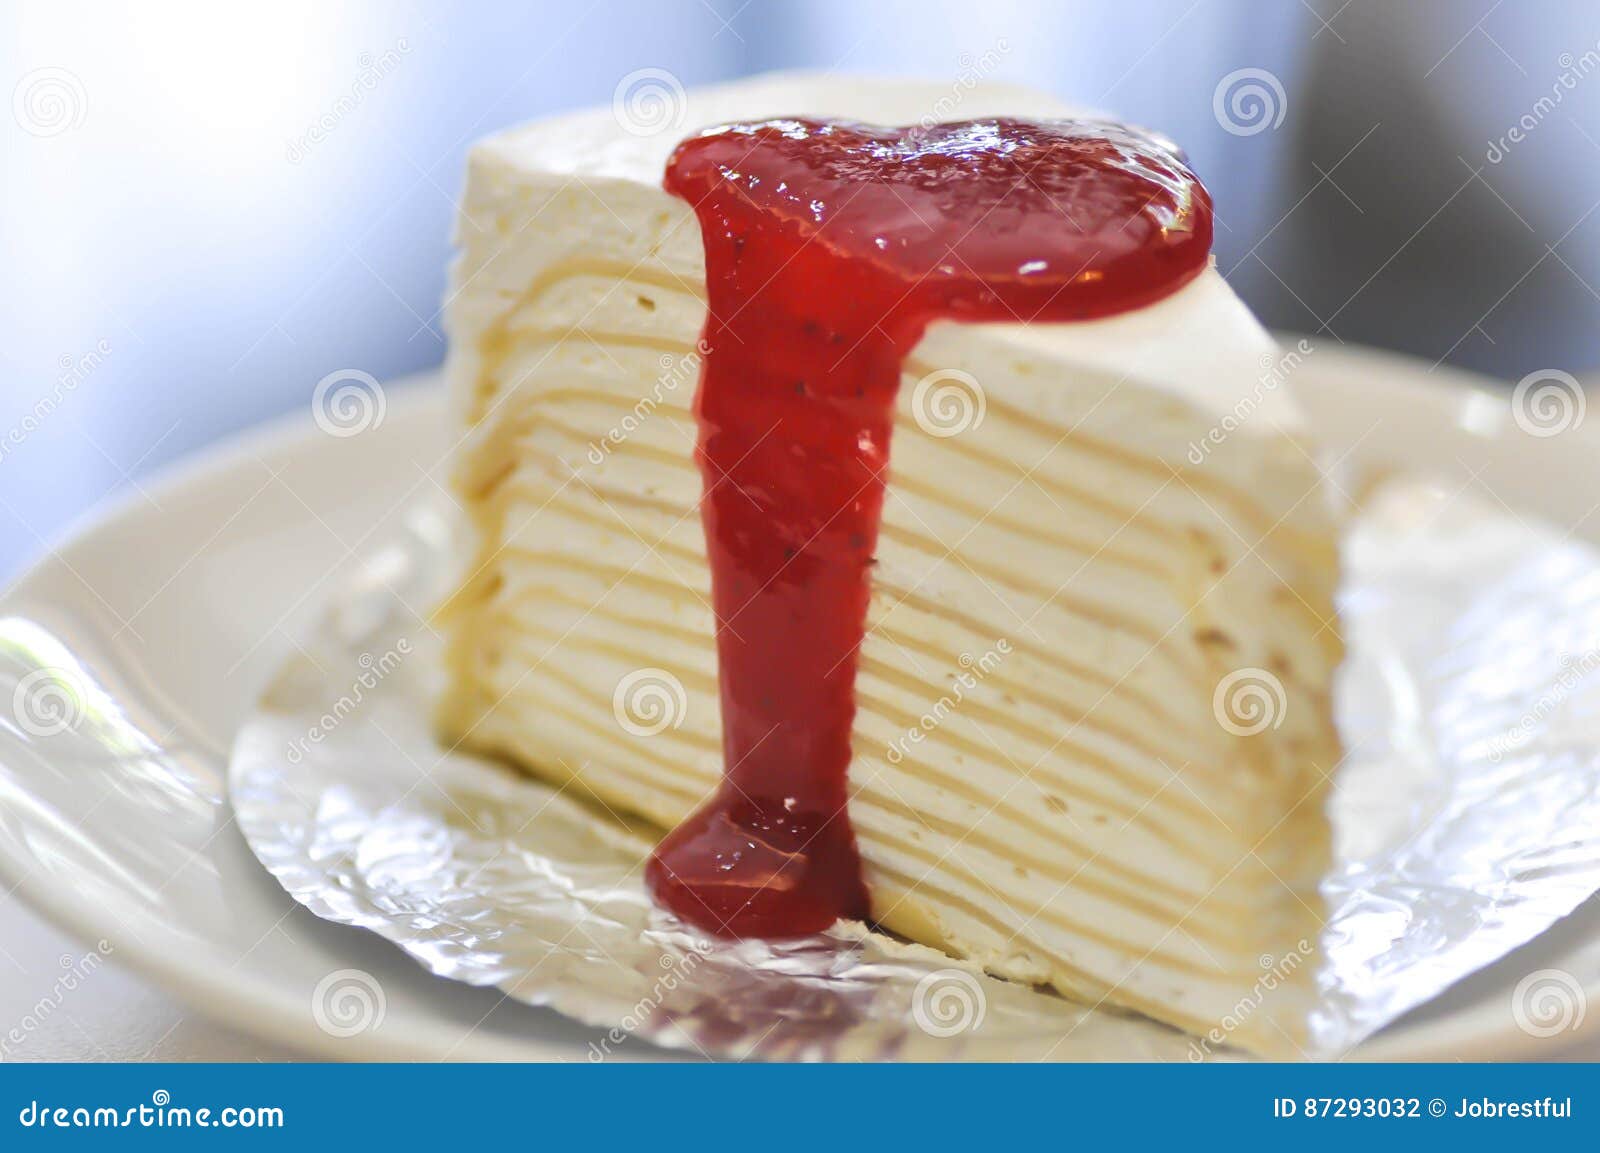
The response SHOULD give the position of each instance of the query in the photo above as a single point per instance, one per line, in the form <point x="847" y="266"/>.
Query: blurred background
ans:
<point x="209" y="207"/>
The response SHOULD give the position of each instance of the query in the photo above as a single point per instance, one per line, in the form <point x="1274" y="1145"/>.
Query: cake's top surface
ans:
<point x="1200" y="344"/>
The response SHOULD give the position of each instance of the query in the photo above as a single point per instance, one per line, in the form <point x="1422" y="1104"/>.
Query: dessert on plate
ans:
<point x="906" y="518"/>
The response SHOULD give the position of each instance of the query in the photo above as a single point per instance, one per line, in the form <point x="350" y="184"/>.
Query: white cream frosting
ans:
<point x="1201" y="342"/>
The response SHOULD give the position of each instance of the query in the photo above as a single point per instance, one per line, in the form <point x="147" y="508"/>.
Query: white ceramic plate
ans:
<point x="172" y="605"/>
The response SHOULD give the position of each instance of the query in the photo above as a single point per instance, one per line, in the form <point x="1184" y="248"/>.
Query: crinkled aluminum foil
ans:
<point x="1467" y="821"/>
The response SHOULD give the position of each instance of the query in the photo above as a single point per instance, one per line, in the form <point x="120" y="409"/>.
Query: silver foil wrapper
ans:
<point x="1466" y="819"/>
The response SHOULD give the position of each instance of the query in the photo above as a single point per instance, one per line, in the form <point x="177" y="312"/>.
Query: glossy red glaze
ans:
<point x="829" y="248"/>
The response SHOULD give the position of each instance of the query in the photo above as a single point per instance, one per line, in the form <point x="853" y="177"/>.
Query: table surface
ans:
<point x="114" y="1015"/>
